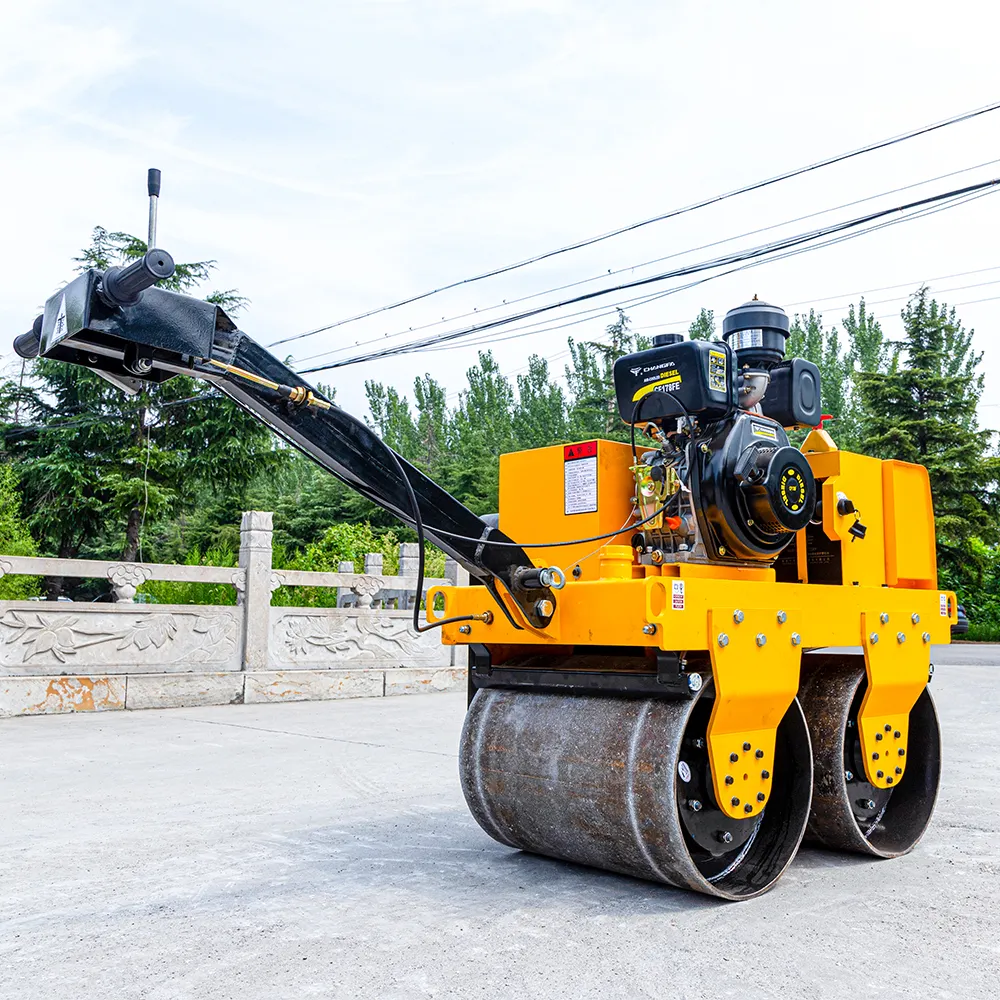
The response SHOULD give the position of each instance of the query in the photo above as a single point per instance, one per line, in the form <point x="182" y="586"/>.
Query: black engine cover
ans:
<point x="752" y="490"/>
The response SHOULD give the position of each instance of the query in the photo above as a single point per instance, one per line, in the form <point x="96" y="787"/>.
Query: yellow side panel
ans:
<point x="910" y="554"/>
<point x="859" y="478"/>
<point x="538" y="487"/>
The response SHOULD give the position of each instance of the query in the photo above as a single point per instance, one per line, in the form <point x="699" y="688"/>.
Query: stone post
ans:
<point x="345" y="596"/>
<point x="409" y="563"/>
<point x="255" y="560"/>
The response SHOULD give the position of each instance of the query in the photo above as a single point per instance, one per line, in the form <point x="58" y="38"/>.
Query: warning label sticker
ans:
<point x="717" y="371"/>
<point x="580" y="485"/>
<point x="943" y="598"/>
<point x="677" y="595"/>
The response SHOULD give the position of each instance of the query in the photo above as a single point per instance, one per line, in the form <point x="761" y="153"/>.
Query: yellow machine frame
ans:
<point x="753" y="627"/>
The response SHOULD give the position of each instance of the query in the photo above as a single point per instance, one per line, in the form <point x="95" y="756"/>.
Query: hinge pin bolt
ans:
<point x="649" y="629"/>
<point x="465" y="629"/>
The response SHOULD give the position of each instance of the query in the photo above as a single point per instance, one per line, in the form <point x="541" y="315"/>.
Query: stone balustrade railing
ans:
<point x="61" y="657"/>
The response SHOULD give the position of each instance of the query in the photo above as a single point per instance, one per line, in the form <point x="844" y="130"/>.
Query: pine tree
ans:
<point x="703" y="327"/>
<point x="923" y="410"/>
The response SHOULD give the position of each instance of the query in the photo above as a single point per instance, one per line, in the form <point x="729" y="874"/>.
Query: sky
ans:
<point x="335" y="157"/>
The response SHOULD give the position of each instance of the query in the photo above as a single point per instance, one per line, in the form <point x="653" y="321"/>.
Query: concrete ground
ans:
<point x="324" y="849"/>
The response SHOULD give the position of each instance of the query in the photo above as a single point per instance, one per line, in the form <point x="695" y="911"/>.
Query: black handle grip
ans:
<point x="122" y="286"/>
<point x="153" y="182"/>
<point x="28" y="344"/>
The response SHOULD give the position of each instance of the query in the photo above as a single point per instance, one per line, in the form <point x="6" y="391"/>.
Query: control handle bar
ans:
<point x="28" y="344"/>
<point x="122" y="286"/>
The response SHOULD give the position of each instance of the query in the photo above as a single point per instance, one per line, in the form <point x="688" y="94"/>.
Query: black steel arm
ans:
<point x="163" y="334"/>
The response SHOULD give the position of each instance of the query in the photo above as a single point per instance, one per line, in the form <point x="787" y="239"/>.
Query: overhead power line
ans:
<point x="673" y="213"/>
<point x="635" y="267"/>
<point x="772" y="250"/>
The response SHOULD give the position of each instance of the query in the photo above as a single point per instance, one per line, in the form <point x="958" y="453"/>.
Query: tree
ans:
<point x="15" y="538"/>
<point x="98" y="465"/>
<point x="808" y="339"/>
<point x="923" y="409"/>
<point x="540" y="412"/>
<point x="703" y="327"/>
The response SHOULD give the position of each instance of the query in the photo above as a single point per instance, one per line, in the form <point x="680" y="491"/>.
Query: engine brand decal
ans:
<point x="667" y="382"/>
<point x="943" y="604"/>
<point x="793" y="489"/>
<point x="717" y="371"/>
<point x="677" y="595"/>
<point x="746" y="338"/>
<point x="586" y="449"/>
<point x="763" y="431"/>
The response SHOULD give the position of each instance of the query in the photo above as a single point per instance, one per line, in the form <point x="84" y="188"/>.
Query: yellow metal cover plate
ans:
<point x="755" y="666"/>
<point x="897" y="661"/>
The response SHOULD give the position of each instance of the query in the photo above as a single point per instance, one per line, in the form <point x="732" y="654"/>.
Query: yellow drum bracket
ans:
<point x="897" y="661"/>
<point x="756" y="656"/>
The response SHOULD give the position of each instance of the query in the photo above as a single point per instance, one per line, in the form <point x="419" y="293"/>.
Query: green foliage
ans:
<point x="15" y="538"/>
<point x="703" y="328"/>
<point x="923" y="410"/>
<point x="169" y="592"/>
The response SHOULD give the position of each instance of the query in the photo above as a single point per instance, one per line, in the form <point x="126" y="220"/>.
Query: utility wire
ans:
<point x="635" y="267"/>
<point x="673" y="213"/>
<point x="771" y="251"/>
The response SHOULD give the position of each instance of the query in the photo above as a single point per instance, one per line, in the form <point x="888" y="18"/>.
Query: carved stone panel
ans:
<point x="116" y="639"/>
<point x="342" y="638"/>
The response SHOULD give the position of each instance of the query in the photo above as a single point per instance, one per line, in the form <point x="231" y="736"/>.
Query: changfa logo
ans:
<point x="636" y="371"/>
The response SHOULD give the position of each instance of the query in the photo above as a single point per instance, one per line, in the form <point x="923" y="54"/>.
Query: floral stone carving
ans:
<point x="353" y="637"/>
<point x="175" y="637"/>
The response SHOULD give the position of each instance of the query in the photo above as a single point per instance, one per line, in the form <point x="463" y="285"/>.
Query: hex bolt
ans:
<point x="889" y="780"/>
<point x="729" y="779"/>
<point x="723" y="640"/>
<point x="873" y="638"/>
<point x="649" y="629"/>
<point x="734" y="757"/>
<point x="748" y="808"/>
<point x="705" y="449"/>
<point x="926" y="636"/>
<point x="888" y="728"/>
<point x="761" y="639"/>
<point x="544" y="608"/>
<point x="761" y="796"/>
<point x="895" y="735"/>
<point x="699" y="743"/>
<point x="765" y="775"/>
<point x="901" y="752"/>
<point x="796" y="638"/>
<point x="915" y="618"/>
<point x="878" y="774"/>
<point x="866" y="803"/>
<point x="465" y="629"/>
<point x="878" y="736"/>
<point x="738" y="616"/>
<point x="694" y="683"/>
<point x="694" y="805"/>
<point x="725" y="836"/>
<point x="735" y="801"/>
<point x="884" y="618"/>
<point x="759" y="754"/>
<point x="782" y="618"/>
<point x="848" y="776"/>
<point x="746" y="747"/>
<point x="899" y="770"/>
<point x="875" y="755"/>
<point x="900" y="637"/>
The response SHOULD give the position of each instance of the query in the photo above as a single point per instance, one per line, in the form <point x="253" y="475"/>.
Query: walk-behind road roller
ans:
<point x="648" y="625"/>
